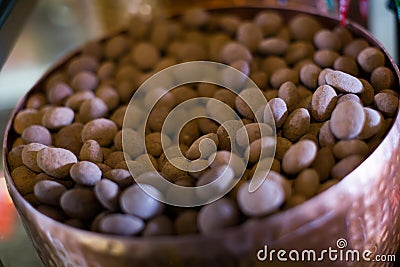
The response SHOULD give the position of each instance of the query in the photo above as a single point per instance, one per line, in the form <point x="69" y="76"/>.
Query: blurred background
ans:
<point x="54" y="27"/>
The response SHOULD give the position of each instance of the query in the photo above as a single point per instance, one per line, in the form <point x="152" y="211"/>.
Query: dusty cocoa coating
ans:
<point x="260" y="148"/>
<point x="269" y="21"/>
<point x="205" y="126"/>
<point x="303" y="27"/>
<point x="191" y="131"/>
<point x="325" y="58"/>
<point x="120" y="176"/>
<point x="386" y="103"/>
<point x="353" y="48"/>
<point x="251" y="132"/>
<point x="84" y="81"/>
<point x="23" y="179"/>
<point x="323" y="102"/>
<point x="91" y="151"/>
<point x="29" y="155"/>
<point x="157" y="117"/>
<point x="299" y="156"/>
<point x="282" y="145"/>
<point x="207" y="89"/>
<point x="134" y="143"/>
<point x="248" y="101"/>
<point x="345" y="148"/>
<point x="191" y="51"/>
<point x="183" y="93"/>
<point x="347" y="65"/>
<point x="374" y="123"/>
<point x="349" y="97"/>
<point x="296" y="124"/>
<point x="324" y="162"/>
<point x="116" y="46"/>
<point x="14" y="157"/>
<point x="58" y="93"/>
<point x="298" y="65"/>
<point x="92" y="108"/>
<point x="288" y="92"/>
<point x="69" y="137"/>
<point x="171" y="172"/>
<point x="382" y="78"/>
<point x="226" y="96"/>
<point x="234" y="51"/>
<point x="37" y="134"/>
<point x="200" y="149"/>
<point x="36" y="101"/>
<point x="145" y="55"/>
<point x="326" y="39"/>
<point x="278" y="109"/>
<point x="154" y="143"/>
<point x="81" y="63"/>
<point x="85" y="173"/>
<point x="345" y="166"/>
<point x="106" y="70"/>
<point x="57" y="117"/>
<point x="115" y="157"/>
<point x="109" y="96"/>
<point x="307" y="183"/>
<point x="325" y="137"/>
<point x="322" y="75"/>
<point x="74" y="101"/>
<point x="118" y="115"/>
<point x="309" y="75"/>
<point x="343" y="34"/>
<point x="367" y="95"/>
<point x="273" y="46"/>
<point x="344" y="82"/>
<point x="56" y="162"/>
<point x="370" y="58"/>
<point x="102" y="130"/>
<point x="298" y="51"/>
<point x="229" y="23"/>
<point x="227" y="134"/>
<point x="272" y="63"/>
<point x="249" y="34"/>
<point x="271" y="93"/>
<point x="58" y="76"/>
<point x="260" y="78"/>
<point x="347" y="120"/>
<point x="26" y="118"/>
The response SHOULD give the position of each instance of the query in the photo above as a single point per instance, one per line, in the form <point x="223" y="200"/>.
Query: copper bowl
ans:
<point x="363" y="209"/>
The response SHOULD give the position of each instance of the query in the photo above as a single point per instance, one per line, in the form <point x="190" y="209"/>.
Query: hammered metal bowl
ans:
<point x="362" y="209"/>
